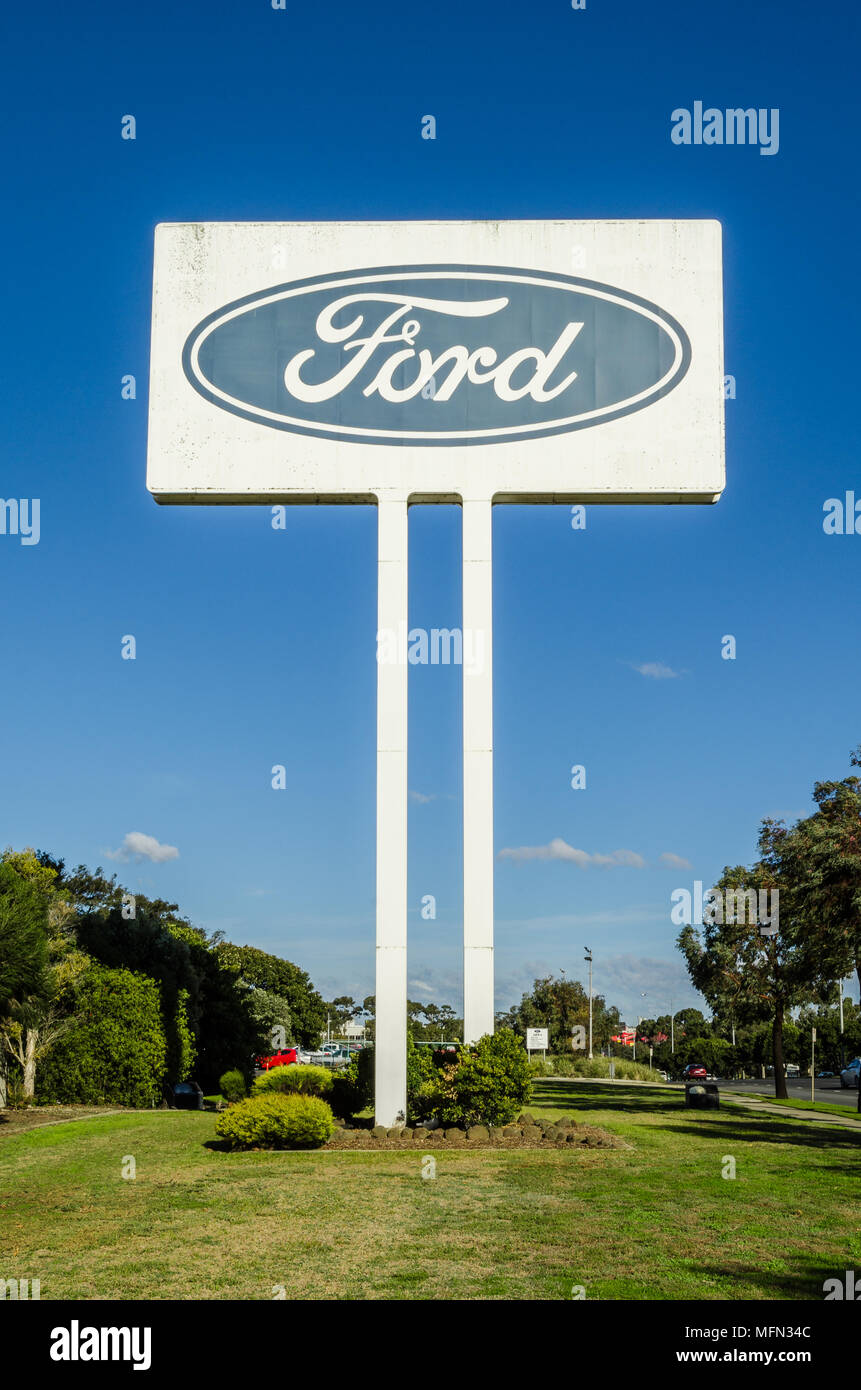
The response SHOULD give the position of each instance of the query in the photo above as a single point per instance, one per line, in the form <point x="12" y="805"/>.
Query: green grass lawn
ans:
<point x="652" y="1221"/>
<point x="826" y="1107"/>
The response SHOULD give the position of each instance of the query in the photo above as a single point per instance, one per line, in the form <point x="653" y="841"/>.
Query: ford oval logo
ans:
<point x="436" y="355"/>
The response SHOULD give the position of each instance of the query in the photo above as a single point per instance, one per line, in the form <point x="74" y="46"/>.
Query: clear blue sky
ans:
<point x="255" y="646"/>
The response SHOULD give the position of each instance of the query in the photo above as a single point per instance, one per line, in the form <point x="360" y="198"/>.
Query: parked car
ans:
<point x="694" y="1071"/>
<point x="822" y="1074"/>
<point x="187" y="1095"/>
<point x="849" y="1074"/>
<point x="284" y="1057"/>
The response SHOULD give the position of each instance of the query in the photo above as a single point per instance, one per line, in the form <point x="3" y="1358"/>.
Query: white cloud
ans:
<point x="675" y="861"/>
<point x="138" y="846"/>
<point x="656" y="671"/>
<point x="560" y="849"/>
<point x="421" y="798"/>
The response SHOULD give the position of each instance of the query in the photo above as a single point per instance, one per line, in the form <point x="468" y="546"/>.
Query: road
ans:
<point x="827" y="1090"/>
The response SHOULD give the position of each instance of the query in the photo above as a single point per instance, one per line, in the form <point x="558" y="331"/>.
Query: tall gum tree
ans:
<point x="819" y="858"/>
<point x="742" y="971"/>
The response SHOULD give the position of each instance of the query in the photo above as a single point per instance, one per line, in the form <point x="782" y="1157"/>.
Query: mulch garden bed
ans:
<point x="525" y="1132"/>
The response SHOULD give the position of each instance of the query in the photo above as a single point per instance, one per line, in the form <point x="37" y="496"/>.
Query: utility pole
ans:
<point x="588" y="959"/>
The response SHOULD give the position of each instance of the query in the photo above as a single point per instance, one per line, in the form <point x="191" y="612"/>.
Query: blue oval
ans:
<point x="436" y="355"/>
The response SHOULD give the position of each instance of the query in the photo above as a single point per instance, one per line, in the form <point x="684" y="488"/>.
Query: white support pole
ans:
<point x="477" y="624"/>
<point x="390" y="1045"/>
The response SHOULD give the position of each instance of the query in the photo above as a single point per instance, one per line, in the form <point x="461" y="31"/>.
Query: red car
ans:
<point x="284" y="1058"/>
<point x="694" y="1072"/>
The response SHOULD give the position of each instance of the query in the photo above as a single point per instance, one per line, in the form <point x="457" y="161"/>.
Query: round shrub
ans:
<point x="294" y="1081"/>
<point x="276" y="1122"/>
<point x="232" y="1086"/>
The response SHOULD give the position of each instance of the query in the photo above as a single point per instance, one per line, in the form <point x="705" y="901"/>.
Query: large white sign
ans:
<point x="513" y="361"/>
<point x="537" y="1039"/>
<point x="471" y="362"/>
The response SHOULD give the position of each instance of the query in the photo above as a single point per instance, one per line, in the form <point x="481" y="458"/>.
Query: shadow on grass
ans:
<point x="758" y="1131"/>
<point x="723" y="1125"/>
<point x="615" y="1095"/>
<point x="805" y="1284"/>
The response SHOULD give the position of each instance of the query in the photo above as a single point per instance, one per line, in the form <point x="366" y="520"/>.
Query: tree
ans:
<point x="560" y="1005"/>
<point x="146" y="944"/>
<point x="115" y="1050"/>
<point x="821" y="857"/>
<point x="264" y="971"/>
<point x="93" y="892"/>
<point x="23" y="935"/>
<point x="738" y="969"/>
<point x="227" y="1033"/>
<point x="40" y="1017"/>
<point x="26" y="983"/>
<point x="832" y="1046"/>
<point x="272" y="1012"/>
<point x="342" y="1011"/>
<point x="691" y="1023"/>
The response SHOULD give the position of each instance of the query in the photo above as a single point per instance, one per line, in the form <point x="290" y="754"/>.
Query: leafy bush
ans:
<point x="365" y="1076"/>
<point x="115" y="1050"/>
<point x="487" y="1084"/>
<point x="295" y="1081"/>
<point x="232" y="1085"/>
<point x="422" y="1081"/>
<point x="276" y="1122"/>
<point x="345" y="1096"/>
<point x="542" y="1066"/>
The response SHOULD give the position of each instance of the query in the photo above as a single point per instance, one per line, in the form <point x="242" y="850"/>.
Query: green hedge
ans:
<point x="598" y="1067"/>
<point x="295" y="1080"/>
<point x="114" y="1051"/>
<point x="276" y="1122"/>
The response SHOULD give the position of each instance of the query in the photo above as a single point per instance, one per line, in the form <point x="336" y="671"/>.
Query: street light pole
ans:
<point x="588" y="959"/>
<point x="643" y="994"/>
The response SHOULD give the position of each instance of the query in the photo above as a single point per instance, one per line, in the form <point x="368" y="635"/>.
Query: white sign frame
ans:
<point x="664" y="445"/>
<point x="670" y="450"/>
